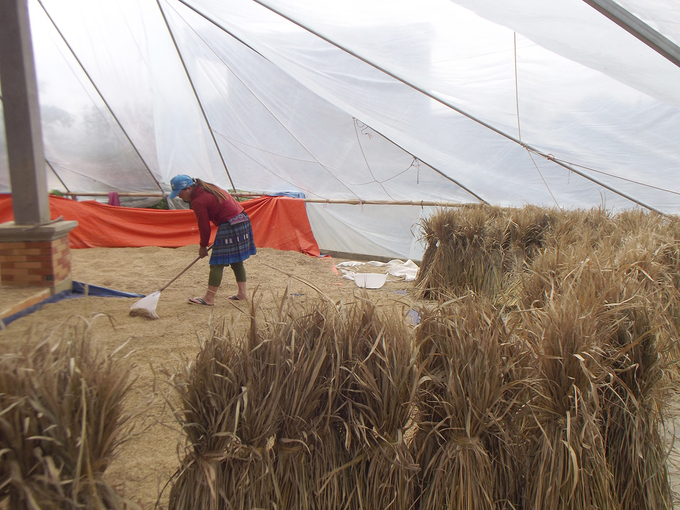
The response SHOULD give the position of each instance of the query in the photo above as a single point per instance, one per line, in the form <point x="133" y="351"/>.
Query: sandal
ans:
<point x="199" y="301"/>
<point x="234" y="298"/>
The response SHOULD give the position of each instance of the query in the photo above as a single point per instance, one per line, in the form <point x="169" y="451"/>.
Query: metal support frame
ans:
<point x="103" y="98"/>
<point x="448" y="104"/>
<point x="638" y="28"/>
<point x="198" y="98"/>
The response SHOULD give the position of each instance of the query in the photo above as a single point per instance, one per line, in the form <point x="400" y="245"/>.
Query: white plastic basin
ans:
<point x="370" y="280"/>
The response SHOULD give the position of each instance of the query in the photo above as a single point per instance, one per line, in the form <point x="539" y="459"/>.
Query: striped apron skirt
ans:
<point x="233" y="243"/>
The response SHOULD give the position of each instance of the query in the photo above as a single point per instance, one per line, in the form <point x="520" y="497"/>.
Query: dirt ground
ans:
<point x="146" y="463"/>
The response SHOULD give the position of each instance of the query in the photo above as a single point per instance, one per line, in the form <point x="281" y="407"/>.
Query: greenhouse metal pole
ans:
<point x="198" y="99"/>
<point x="241" y="41"/>
<point x="432" y="167"/>
<point x="635" y="26"/>
<point x="56" y="174"/>
<point x="202" y="15"/>
<point x="456" y="109"/>
<point x="134" y="147"/>
<point x="48" y="164"/>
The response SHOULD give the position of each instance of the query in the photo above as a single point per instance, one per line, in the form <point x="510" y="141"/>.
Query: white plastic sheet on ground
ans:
<point x="406" y="271"/>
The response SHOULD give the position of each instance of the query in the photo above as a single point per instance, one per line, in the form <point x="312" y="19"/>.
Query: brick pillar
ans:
<point x="35" y="263"/>
<point x="36" y="257"/>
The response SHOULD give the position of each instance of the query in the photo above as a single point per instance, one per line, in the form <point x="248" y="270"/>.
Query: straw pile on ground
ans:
<point x="62" y="421"/>
<point x="475" y="382"/>
<point x="595" y="296"/>
<point x="475" y="407"/>
<point x="476" y="248"/>
<point x="312" y="410"/>
<point x="539" y="380"/>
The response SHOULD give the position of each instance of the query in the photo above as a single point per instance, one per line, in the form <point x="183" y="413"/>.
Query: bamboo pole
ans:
<point x="106" y="194"/>
<point x="418" y="203"/>
<point x="349" y="201"/>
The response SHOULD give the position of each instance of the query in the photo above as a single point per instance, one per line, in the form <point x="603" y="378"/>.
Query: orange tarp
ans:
<point x="278" y="222"/>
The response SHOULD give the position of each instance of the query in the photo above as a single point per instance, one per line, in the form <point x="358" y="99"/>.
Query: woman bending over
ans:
<point x="234" y="239"/>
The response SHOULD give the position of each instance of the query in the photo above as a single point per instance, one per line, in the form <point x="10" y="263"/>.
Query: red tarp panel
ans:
<point x="278" y="222"/>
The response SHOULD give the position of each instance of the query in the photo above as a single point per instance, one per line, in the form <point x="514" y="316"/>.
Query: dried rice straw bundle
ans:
<point x="585" y="227"/>
<point x="310" y="411"/>
<point x="639" y="365"/>
<point x="571" y="268"/>
<point x="368" y="459"/>
<point x="62" y="421"/>
<point x="211" y="397"/>
<point x="637" y="222"/>
<point x="250" y="411"/>
<point x="628" y="285"/>
<point x="568" y="468"/>
<point x="463" y="252"/>
<point x="574" y="238"/>
<point x="474" y="249"/>
<point x="526" y="233"/>
<point x="475" y="380"/>
<point x="304" y="404"/>
<point x="568" y="238"/>
<point x="633" y="405"/>
<point x="649" y="260"/>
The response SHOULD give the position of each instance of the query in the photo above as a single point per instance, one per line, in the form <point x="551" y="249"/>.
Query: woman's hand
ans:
<point x="202" y="252"/>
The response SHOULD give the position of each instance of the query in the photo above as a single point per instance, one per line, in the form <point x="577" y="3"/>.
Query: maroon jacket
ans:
<point x="208" y="208"/>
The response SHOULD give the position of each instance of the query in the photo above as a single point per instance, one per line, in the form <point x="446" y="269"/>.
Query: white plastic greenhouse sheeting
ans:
<point x="345" y="109"/>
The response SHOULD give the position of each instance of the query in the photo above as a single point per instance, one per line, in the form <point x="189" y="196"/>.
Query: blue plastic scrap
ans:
<point x="78" y="290"/>
<point x="95" y="290"/>
<point x="290" y="194"/>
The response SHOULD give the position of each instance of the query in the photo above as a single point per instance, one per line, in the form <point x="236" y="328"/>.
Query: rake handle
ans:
<point x="183" y="271"/>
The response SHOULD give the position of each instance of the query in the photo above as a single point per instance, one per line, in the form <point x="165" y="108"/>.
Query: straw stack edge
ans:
<point x="64" y="417"/>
